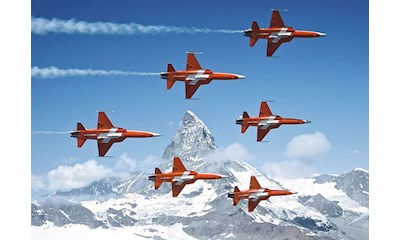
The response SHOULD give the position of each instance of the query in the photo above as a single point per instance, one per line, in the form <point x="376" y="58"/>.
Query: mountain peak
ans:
<point x="190" y="113"/>
<point x="192" y="140"/>
<point x="360" y="170"/>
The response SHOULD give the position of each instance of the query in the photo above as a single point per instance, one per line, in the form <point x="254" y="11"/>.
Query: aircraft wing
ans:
<point x="103" y="121"/>
<point x="254" y="183"/>
<point x="177" y="188"/>
<point x="274" y="43"/>
<point x="261" y="132"/>
<point x="253" y="204"/>
<point x="192" y="63"/>
<point x="178" y="166"/>
<point x="264" y="110"/>
<point x="104" y="146"/>
<point x="272" y="47"/>
<point x="191" y="88"/>
<point x="276" y="20"/>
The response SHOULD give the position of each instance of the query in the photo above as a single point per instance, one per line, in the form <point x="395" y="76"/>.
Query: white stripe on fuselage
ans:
<point x="259" y="194"/>
<point x="266" y="122"/>
<point x="283" y="33"/>
<point x="184" y="177"/>
<point x="199" y="76"/>
<point x="106" y="137"/>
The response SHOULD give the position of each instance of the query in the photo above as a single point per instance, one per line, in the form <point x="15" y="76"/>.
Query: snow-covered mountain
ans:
<point x="202" y="210"/>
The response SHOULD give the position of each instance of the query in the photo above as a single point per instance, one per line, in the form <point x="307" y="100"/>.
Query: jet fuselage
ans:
<point x="199" y="75"/>
<point x="188" y="176"/>
<point x="256" y="194"/>
<point x="284" y="32"/>
<point x="118" y="134"/>
<point x="268" y="121"/>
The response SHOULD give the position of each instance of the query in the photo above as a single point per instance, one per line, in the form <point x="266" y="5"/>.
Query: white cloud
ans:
<point x="234" y="151"/>
<point x="83" y="174"/>
<point x="37" y="182"/>
<point x="43" y="26"/>
<point x="124" y="166"/>
<point x="288" y="169"/>
<point x="308" y="146"/>
<point x="149" y="163"/>
<point x="76" y="176"/>
<point x="54" y="72"/>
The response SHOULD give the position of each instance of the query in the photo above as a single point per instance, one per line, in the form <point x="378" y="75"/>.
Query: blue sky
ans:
<point x="323" y="80"/>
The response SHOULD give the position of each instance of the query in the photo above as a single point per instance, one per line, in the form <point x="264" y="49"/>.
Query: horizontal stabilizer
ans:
<point x="170" y="68"/>
<point x="170" y="79"/>
<point x="157" y="183"/>
<point x="255" y="30"/>
<point x="81" y="141"/>
<point x="79" y="126"/>
<point x="244" y="127"/>
<point x="255" y="27"/>
<point x="236" y="198"/>
<point x="253" y="40"/>
<point x="170" y="82"/>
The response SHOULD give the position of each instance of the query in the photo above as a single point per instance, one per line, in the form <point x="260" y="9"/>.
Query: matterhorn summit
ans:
<point x="192" y="140"/>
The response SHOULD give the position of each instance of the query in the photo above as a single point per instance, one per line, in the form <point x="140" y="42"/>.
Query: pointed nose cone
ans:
<point x="210" y="176"/>
<point x="223" y="176"/>
<point x="322" y="34"/>
<point x="155" y="134"/>
<point x="306" y="121"/>
<point x="240" y="76"/>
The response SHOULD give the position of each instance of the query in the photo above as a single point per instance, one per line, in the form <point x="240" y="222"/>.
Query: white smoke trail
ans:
<point x="43" y="26"/>
<point x="48" y="132"/>
<point x="54" y="72"/>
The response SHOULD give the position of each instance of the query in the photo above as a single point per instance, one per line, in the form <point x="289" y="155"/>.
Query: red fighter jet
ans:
<point x="277" y="33"/>
<point x="179" y="177"/>
<point x="194" y="76"/>
<point x="255" y="194"/>
<point x="265" y="121"/>
<point x="106" y="134"/>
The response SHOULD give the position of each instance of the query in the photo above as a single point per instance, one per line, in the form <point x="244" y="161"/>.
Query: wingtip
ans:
<point x="194" y="52"/>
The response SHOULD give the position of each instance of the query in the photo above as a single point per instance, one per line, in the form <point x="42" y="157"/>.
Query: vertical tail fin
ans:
<point x="170" y="80"/>
<point x="81" y="141"/>
<point x="236" y="198"/>
<point x="244" y="125"/>
<point x="157" y="182"/>
<point x="255" y="30"/>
